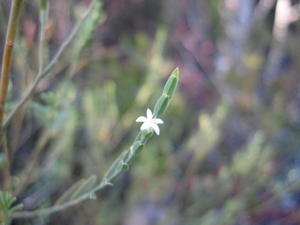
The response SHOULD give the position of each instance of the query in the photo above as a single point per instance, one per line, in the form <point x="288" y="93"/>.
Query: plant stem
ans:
<point x="49" y="66"/>
<point x="124" y="160"/>
<point x="7" y="175"/>
<point x="5" y="74"/>
<point x="43" y="212"/>
<point x="7" y="53"/>
<point x="43" y="19"/>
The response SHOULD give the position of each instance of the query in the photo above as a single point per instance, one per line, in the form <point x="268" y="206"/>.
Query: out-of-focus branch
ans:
<point x="49" y="67"/>
<point x="44" y="7"/>
<point x="7" y="53"/>
<point x="262" y="9"/>
<point x="5" y="74"/>
<point x="284" y="15"/>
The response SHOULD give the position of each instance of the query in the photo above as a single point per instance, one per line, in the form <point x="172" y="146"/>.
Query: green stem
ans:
<point x="44" y="212"/>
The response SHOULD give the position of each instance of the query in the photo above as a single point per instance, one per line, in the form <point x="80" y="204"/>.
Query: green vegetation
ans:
<point x="222" y="145"/>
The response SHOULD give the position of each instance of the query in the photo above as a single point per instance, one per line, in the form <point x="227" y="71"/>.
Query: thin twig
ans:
<point x="43" y="19"/>
<point x="49" y="67"/>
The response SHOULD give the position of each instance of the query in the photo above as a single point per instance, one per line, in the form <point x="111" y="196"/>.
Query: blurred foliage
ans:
<point x="228" y="153"/>
<point x="6" y="206"/>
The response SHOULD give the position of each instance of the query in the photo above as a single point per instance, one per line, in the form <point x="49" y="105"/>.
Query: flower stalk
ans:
<point x="121" y="164"/>
<point x="124" y="160"/>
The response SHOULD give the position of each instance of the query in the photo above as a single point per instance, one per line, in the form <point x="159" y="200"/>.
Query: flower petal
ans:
<point x="157" y="121"/>
<point x="141" y="119"/>
<point x="145" y="126"/>
<point x="155" y="128"/>
<point x="149" y="114"/>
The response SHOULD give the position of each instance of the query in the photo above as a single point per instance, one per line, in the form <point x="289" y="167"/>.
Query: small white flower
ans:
<point x="149" y="123"/>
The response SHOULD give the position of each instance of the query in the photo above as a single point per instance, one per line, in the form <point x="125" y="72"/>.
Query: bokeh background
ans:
<point x="229" y="151"/>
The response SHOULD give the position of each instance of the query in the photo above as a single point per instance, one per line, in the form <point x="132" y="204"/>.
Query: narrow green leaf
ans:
<point x="161" y="105"/>
<point x="81" y="187"/>
<point x="86" y="187"/>
<point x="172" y="82"/>
<point x="168" y="92"/>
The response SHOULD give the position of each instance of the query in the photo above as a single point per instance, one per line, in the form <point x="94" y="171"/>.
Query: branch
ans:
<point x="7" y="53"/>
<point x="49" y="67"/>
<point x="43" y="212"/>
<point x="124" y="160"/>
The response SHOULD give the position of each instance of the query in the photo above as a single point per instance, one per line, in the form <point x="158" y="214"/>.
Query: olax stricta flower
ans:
<point x="149" y="123"/>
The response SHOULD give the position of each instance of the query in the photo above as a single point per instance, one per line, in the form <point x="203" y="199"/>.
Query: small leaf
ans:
<point x="172" y="82"/>
<point x="78" y="189"/>
<point x="86" y="187"/>
<point x="115" y="168"/>
<point x="161" y="105"/>
<point x="168" y="92"/>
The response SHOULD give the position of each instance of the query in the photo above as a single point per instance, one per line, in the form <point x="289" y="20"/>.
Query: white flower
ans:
<point x="149" y="123"/>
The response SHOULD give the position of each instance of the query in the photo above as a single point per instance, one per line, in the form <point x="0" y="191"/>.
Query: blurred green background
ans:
<point x="229" y="151"/>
